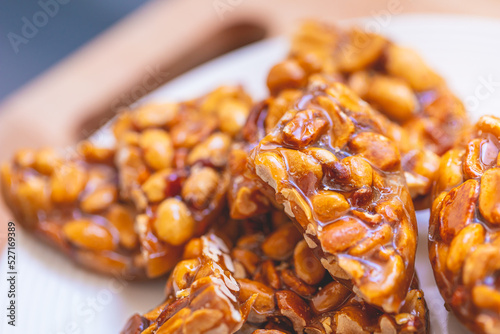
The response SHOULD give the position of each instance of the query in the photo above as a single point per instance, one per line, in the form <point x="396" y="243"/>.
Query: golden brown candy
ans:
<point x="287" y="295"/>
<point x="74" y="206"/>
<point x="464" y="231"/>
<point x="393" y="79"/>
<point x="331" y="194"/>
<point x="131" y="206"/>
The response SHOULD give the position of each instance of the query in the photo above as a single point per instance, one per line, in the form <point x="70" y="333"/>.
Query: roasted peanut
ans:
<point x="154" y="115"/>
<point x="46" y="160"/>
<point x="307" y="267"/>
<point x="287" y="74"/>
<point x="376" y="148"/>
<point x="85" y="233"/>
<point x="33" y="197"/>
<point x="200" y="186"/>
<point x="304" y="128"/>
<point x="247" y="258"/>
<point x="408" y="65"/>
<point x="25" y="157"/>
<point x="99" y="199"/>
<point x="489" y="197"/>
<point x="360" y="171"/>
<point x="449" y="173"/>
<point x="489" y="124"/>
<point x="271" y="274"/>
<point x="472" y="164"/>
<point x="329" y="205"/>
<point x="394" y="96"/>
<point x="96" y="154"/>
<point x="294" y="308"/>
<point x="214" y="149"/>
<point x="486" y="297"/>
<point x="123" y="220"/>
<point x="271" y="168"/>
<point x="264" y="304"/>
<point x="233" y="114"/>
<point x="184" y="273"/>
<point x="279" y="245"/>
<point x="324" y="157"/>
<point x="301" y="165"/>
<point x="174" y="223"/>
<point x="158" y="148"/>
<point x="361" y="50"/>
<point x="342" y="234"/>
<point x="192" y="131"/>
<point x="330" y="297"/>
<point x="465" y="241"/>
<point x="156" y="185"/>
<point x="67" y="183"/>
<point x="458" y="209"/>
<point x="296" y="284"/>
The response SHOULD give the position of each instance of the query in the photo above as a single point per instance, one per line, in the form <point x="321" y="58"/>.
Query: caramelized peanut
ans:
<point x="85" y="233"/>
<point x="307" y="267"/>
<point x="463" y="231"/>
<point x="328" y="155"/>
<point x="174" y="224"/>
<point x="157" y="147"/>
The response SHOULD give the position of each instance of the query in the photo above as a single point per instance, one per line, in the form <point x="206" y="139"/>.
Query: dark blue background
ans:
<point x="77" y="22"/>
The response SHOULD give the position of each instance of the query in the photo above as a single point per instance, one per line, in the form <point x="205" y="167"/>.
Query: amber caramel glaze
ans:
<point x="464" y="231"/>
<point x="202" y="294"/>
<point x="172" y="162"/>
<point x="331" y="164"/>
<point x="133" y="206"/>
<point x="393" y="79"/>
<point x="282" y="287"/>
<point x="73" y="203"/>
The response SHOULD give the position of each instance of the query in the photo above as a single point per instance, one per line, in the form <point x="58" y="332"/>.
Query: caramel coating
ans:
<point x="393" y="79"/>
<point x="201" y="295"/>
<point x="172" y="163"/>
<point x="329" y="198"/>
<point x="132" y="206"/>
<point x="287" y="295"/>
<point x="71" y="202"/>
<point x="464" y="230"/>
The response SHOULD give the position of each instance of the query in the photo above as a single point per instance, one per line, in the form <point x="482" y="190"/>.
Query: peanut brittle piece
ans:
<point x="332" y="165"/>
<point x="464" y="230"/>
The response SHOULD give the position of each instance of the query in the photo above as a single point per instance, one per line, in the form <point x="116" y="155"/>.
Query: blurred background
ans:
<point x="74" y="24"/>
<point x="39" y="34"/>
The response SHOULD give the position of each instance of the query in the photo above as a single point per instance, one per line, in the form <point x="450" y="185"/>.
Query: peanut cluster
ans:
<point x="272" y="283"/>
<point x="201" y="294"/>
<point x="172" y="165"/>
<point x="464" y="234"/>
<point x="73" y="203"/>
<point x="393" y="79"/>
<point x="133" y="206"/>
<point x="337" y="174"/>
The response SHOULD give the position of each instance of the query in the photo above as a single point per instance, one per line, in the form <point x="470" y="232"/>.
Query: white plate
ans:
<point x="54" y="296"/>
